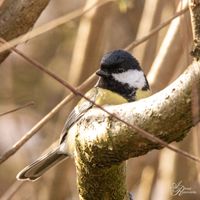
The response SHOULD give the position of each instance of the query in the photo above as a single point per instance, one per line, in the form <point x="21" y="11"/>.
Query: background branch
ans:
<point x="165" y="54"/>
<point x="83" y="87"/>
<point x="46" y="27"/>
<point x="17" y="17"/>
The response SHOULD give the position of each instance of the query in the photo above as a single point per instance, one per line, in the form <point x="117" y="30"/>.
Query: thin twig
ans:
<point x="76" y="92"/>
<point x="51" y="25"/>
<point x="155" y="30"/>
<point x="165" y="55"/>
<point x="42" y="68"/>
<point x="45" y="119"/>
<point x="18" y="108"/>
<point x="83" y="87"/>
<point x="41" y="123"/>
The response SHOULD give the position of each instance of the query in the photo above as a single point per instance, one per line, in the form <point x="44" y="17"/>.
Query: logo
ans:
<point x="178" y="189"/>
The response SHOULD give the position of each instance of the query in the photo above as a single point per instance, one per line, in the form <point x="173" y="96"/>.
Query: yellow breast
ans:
<point x="140" y="94"/>
<point x="108" y="97"/>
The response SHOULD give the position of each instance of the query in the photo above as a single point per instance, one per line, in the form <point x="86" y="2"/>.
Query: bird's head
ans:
<point x="120" y="72"/>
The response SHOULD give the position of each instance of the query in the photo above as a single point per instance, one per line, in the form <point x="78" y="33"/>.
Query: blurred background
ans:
<point x="73" y="51"/>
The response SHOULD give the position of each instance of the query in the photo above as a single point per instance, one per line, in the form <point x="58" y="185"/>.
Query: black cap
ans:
<point x="119" y="58"/>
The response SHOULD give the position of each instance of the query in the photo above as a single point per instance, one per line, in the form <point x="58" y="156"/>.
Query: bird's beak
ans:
<point x="102" y="73"/>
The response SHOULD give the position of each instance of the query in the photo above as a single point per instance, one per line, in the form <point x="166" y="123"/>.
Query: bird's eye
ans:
<point x="120" y="70"/>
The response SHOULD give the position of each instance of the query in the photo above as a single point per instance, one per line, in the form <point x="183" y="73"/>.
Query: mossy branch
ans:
<point x="103" y="143"/>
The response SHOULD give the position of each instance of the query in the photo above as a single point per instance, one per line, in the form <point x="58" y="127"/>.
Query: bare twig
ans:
<point x="165" y="56"/>
<point x="49" y="26"/>
<point x="18" y="108"/>
<point x="44" y="120"/>
<point x="73" y="15"/>
<point x="140" y="131"/>
<point x="155" y="30"/>
<point x="28" y="135"/>
<point x="83" y="87"/>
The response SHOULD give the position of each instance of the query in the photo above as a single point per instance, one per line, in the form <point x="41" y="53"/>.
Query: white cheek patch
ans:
<point x="132" y="77"/>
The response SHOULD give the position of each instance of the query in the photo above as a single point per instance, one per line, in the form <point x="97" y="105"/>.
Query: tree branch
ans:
<point x="102" y="142"/>
<point x="83" y="87"/>
<point x="195" y="18"/>
<point x="46" y="27"/>
<point x="156" y="114"/>
<point x="17" y="17"/>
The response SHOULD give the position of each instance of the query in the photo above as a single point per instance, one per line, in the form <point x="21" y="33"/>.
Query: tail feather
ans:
<point x="41" y="165"/>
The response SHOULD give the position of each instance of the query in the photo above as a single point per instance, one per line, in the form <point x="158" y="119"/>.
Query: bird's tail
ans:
<point x="41" y="165"/>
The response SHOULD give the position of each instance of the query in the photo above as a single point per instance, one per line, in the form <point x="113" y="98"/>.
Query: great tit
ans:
<point x="121" y="80"/>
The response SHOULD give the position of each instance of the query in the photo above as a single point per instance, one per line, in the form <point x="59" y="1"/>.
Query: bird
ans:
<point x="121" y="80"/>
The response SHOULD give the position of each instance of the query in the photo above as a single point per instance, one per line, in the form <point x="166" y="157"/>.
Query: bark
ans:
<point x="103" y="143"/>
<point x="17" y="17"/>
<point x="195" y="18"/>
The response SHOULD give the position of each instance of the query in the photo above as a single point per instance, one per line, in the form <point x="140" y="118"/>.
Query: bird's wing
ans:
<point x="80" y="109"/>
